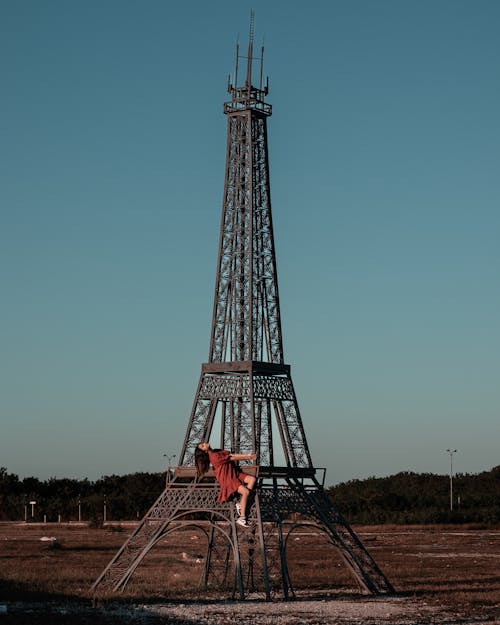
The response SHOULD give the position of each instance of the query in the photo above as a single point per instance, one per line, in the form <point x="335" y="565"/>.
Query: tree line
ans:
<point x="417" y="498"/>
<point x="112" y="497"/>
<point x="404" y="498"/>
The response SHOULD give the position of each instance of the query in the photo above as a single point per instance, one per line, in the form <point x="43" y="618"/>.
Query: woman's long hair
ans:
<point x="201" y="461"/>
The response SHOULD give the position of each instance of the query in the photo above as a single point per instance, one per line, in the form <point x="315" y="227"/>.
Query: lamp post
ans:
<point x="451" y="452"/>
<point x="32" y="504"/>
<point x="169" y="460"/>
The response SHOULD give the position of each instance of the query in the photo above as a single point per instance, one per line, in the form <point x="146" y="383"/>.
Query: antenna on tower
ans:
<point x="261" y="63"/>
<point x="250" y="49"/>
<point x="237" y="60"/>
<point x="252" y="23"/>
<point x="248" y="95"/>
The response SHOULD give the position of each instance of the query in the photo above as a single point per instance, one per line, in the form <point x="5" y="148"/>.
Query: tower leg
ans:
<point x="313" y="502"/>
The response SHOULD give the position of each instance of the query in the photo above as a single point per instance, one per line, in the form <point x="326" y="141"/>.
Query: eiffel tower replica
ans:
<point x="245" y="392"/>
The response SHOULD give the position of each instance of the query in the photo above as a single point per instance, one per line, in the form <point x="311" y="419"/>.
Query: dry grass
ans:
<point x="454" y="569"/>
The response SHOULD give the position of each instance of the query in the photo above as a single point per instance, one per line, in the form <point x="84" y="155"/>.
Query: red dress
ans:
<point x="229" y="476"/>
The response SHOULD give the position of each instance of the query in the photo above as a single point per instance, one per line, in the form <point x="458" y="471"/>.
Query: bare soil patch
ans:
<point x="442" y="575"/>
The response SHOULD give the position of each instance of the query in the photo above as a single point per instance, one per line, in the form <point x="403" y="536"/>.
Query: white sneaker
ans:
<point x="242" y="521"/>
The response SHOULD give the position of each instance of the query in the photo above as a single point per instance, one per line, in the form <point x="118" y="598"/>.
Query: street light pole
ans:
<point x="451" y="452"/>
<point x="169" y="460"/>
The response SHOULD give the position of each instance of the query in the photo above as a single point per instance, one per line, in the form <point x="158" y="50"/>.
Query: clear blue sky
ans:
<point x="385" y="178"/>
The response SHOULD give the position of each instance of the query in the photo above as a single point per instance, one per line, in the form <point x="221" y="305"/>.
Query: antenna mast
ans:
<point x="248" y="96"/>
<point x="250" y="51"/>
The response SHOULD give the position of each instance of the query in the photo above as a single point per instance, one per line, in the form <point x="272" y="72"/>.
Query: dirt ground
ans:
<point x="442" y="575"/>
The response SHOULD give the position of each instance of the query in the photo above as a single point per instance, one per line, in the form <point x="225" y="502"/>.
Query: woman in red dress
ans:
<point x="230" y="477"/>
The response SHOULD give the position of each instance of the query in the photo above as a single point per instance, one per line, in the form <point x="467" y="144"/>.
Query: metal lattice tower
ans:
<point x="246" y="394"/>
<point x="245" y="387"/>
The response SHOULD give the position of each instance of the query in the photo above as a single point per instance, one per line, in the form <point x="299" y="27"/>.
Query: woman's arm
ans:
<point x="242" y="457"/>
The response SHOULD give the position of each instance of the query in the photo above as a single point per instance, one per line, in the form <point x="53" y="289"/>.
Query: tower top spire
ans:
<point x="248" y="96"/>
<point x="252" y="22"/>
<point x="250" y="48"/>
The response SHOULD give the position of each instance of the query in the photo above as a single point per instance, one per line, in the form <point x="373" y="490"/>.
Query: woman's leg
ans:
<point x="244" y="492"/>
<point x="249" y="481"/>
